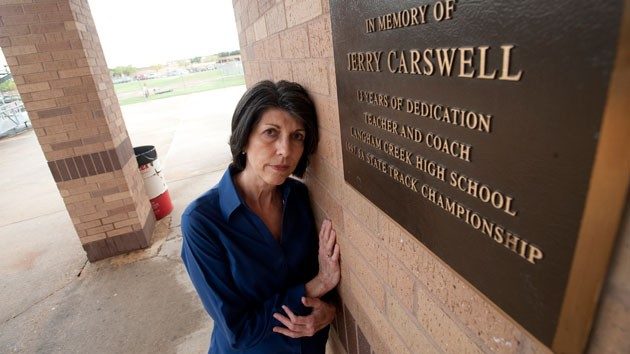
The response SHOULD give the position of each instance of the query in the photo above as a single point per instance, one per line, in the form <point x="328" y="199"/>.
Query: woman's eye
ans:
<point x="298" y="136"/>
<point x="270" y="132"/>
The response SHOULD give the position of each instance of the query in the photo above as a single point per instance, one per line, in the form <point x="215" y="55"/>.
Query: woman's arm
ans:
<point x="326" y="280"/>
<point x="243" y="323"/>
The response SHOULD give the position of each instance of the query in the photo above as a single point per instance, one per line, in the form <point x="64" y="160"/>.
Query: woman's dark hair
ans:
<point x="285" y="95"/>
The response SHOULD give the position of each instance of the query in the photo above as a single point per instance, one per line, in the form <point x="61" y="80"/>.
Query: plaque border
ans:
<point x="606" y="200"/>
<point x="604" y="206"/>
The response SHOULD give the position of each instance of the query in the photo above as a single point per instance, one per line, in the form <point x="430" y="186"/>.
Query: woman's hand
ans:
<point x="328" y="259"/>
<point x="305" y="326"/>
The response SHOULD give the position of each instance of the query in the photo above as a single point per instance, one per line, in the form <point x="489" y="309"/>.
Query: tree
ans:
<point x="227" y="54"/>
<point x="183" y="62"/>
<point x="123" y="70"/>
<point x="195" y="60"/>
<point x="7" y="86"/>
<point x="210" y="58"/>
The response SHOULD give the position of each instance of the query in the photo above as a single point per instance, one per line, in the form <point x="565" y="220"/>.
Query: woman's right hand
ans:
<point x="328" y="259"/>
<point x="305" y="326"/>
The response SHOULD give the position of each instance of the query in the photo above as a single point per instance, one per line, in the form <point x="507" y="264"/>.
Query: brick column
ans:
<point x="56" y="59"/>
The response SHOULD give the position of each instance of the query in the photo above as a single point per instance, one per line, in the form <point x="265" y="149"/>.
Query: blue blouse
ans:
<point x="243" y="275"/>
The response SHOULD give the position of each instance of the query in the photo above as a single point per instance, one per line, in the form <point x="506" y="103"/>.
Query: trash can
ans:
<point x="154" y="182"/>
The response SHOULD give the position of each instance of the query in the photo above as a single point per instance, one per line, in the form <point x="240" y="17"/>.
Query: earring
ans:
<point x="243" y="153"/>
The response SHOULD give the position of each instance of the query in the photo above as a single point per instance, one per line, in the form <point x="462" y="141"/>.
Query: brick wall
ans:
<point x="398" y="297"/>
<point x="59" y="69"/>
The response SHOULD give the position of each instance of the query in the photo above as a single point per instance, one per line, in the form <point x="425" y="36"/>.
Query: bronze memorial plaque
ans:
<point x="475" y="125"/>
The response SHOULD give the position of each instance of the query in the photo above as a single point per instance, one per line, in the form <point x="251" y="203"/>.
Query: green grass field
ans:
<point x="132" y="92"/>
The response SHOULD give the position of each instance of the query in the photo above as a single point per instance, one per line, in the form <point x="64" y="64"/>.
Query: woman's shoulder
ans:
<point x="205" y="207"/>
<point x="298" y="190"/>
<point x="295" y="184"/>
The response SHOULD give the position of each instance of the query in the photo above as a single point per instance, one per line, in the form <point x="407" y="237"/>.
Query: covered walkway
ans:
<point x="53" y="299"/>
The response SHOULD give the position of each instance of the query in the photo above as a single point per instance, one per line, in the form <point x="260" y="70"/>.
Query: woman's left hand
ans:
<point x="328" y="258"/>
<point x="305" y="326"/>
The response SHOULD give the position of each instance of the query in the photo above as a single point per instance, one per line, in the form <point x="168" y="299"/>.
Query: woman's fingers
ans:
<point x="286" y="322"/>
<point x="305" y="326"/>
<point x="290" y="313"/>
<point x="324" y="232"/>
<point x="295" y="319"/>
<point x="331" y="241"/>
<point x="287" y="332"/>
<point x="321" y="230"/>
<point x="335" y="254"/>
<point x="300" y="324"/>
<point x="332" y="247"/>
<point x="295" y="334"/>
<point x="296" y="326"/>
<point x="311" y="301"/>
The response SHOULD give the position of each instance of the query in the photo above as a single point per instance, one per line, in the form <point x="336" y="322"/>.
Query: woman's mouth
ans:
<point x="280" y="168"/>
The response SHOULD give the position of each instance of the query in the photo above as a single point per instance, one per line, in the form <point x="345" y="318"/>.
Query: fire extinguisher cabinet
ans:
<point x="154" y="182"/>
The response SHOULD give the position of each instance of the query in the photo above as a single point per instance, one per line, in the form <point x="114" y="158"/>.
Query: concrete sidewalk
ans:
<point x="52" y="300"/>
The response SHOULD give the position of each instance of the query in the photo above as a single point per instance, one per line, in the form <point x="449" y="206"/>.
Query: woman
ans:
<point x="250" y="243"/>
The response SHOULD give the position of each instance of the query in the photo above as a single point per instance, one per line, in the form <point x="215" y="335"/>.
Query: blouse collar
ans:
<point x="230" y="199"/>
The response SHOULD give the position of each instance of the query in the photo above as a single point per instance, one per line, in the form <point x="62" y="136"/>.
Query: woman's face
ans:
<point x="275" y="146"/>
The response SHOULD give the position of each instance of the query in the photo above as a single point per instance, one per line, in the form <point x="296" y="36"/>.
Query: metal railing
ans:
<point x="13" y="118"/>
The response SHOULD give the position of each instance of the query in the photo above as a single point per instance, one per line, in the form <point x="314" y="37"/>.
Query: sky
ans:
<point x="146" y="32"/>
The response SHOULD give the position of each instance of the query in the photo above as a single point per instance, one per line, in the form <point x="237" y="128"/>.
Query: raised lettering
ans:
<point x="445" y="58"/>
<point x="482" y="64"/>
<point x="505" y="67"/>
<point x="466" y="62"/>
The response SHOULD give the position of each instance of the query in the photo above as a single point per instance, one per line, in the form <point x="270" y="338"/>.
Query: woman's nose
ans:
<point x="283" y="146"/>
